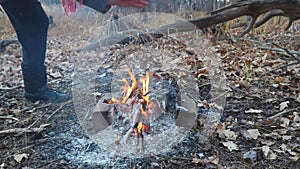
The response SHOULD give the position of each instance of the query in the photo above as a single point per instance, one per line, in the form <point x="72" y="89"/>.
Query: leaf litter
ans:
<point x="244" y="130"/>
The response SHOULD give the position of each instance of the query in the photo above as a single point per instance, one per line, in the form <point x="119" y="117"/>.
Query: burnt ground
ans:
<point x="246" y="127"/>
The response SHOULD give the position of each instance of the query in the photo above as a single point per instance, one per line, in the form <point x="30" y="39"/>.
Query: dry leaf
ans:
<point x="19" y="157"/>
<point x="294" y="158"/>
<point x="296" y="117"/>
<point x="283" y="147"/>
<point x="230" y="134"/>
<point x="213" y="159"/>
<point x="275" y="85"/>
<point x="283" y="105"/>
<point x="253" y="111"/>
<point x="268" y="153"/>
<point x="220" y="128"/>
<point x="253" y="133"/>
<point x="285" y="137"/>
<point x="230" y="145"/>
<point x="2" y="166"/>
<point x="267" y="142"/>
<point x="298" y="98"/>
<point x="291" y="152"/>
<point x="197" y="161"/>
<point x="56" y="75"/>
<point x="225" y="133"/>
<point x="285" y="122"/>
<point x="273" y="135"/>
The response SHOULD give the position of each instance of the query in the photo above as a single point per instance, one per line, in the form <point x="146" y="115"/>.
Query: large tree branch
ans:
<point x="252" y="8"/>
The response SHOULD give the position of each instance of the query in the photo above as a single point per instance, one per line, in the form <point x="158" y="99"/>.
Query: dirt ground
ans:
<point x="259" y="127"/>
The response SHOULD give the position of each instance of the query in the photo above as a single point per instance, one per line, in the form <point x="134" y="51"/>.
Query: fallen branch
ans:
<point x="9" y="117"/>
<point x="291" y="52"/>
<point x="24" y="130"/>
<point x="278" y="68"/>
<point x="281" y="113"/>
<point x="239" y="8"/>
<point x="288" y="52"/>
<point x="10" y="88"/>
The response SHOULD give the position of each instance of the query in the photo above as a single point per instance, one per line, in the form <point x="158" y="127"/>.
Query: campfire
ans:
<point x="145" y="112"/>
<point x="136" y="103"/>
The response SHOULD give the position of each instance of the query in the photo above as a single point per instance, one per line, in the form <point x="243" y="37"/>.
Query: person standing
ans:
<point x="31" y="26"/>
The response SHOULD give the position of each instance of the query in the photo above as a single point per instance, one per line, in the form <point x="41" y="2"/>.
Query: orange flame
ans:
<point x="134" y="91"/>
<point x="127" y="88"/>
<point x="142" y="127"/>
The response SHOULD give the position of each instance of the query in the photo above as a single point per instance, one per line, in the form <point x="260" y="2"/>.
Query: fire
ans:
<point x="140" y="95"/>
<point x="140" y="127"/>
<point x="127" y="88"/>
<point x="144" y="91"/>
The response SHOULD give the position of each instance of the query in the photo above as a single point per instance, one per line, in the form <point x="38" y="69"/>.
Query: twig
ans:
<point x="281" y="113"/>
<point x="42" y="115"/>
<point x="134" y="120"/>
<point x="43" y="106"/>
<point x="9" y="117"/>
<point x="288" y="51"/>
<point x="58" y="109"/>
<point x="10" y="88"/>
<point x="22" y="130"/>
<point x="281" y="67"/>
<point x="291" y="52"/>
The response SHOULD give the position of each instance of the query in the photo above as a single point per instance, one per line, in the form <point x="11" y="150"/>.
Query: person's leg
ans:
<point x="31" y="25"/>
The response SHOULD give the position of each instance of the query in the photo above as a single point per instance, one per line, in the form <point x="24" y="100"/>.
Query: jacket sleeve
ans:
<point x="98" y="5"/>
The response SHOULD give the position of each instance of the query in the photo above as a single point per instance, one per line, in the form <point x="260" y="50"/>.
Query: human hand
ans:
<point x="128" y="3"/>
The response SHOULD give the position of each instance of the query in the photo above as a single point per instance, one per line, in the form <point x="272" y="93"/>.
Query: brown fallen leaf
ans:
<point x="226" y="134"/>
<point x="295" y="158"/>
<point x="197" y="161"/>
<point x="213" y="159"/>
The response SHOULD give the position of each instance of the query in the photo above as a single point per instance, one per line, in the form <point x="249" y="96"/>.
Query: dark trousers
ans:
<point x="31" y="25"/>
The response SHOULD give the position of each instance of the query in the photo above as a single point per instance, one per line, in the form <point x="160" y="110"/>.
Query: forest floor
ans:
<point x="259" y="127"/>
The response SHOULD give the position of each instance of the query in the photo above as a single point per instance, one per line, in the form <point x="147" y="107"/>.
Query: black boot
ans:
<point x="47" y="94"/>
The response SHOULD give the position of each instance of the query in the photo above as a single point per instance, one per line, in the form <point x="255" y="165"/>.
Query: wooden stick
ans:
<point x="22" y="130"/>
<point x="281" y="113"/>
<point x="136" y="111"/>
